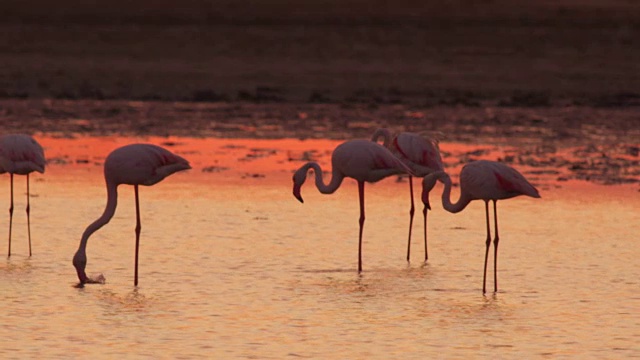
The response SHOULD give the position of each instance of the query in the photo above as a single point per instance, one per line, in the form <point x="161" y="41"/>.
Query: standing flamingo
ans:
<point x="422" y="156"/>
<point x="135" y="164"/>
<point x="483" y="180"/>
<point x="20" y="154"/>
<point x="361" y="160"/>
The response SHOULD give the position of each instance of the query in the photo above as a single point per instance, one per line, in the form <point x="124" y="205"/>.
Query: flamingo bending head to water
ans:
<point x="135" y="164"/>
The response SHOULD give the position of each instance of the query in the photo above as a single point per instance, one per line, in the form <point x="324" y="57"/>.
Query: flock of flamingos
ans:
<point x="362" y="160"/>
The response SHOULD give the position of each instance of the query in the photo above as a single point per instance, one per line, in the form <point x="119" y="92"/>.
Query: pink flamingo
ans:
<point x="483" y="180"/>
<point x="361" y="160"/>
<point x="20" y="154"/>
<point x="135" y="164"/>
<point x="422" y="156"/>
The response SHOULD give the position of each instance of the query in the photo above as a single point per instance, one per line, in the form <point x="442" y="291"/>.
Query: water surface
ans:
<point x="232" y="266"/>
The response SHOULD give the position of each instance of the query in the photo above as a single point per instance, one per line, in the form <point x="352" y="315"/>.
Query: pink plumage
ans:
<point x="422" y="156"/>
<point x="20" y="154"/>
<point x="135" y="164"/>
<point x="362" y="160"/>
<point x="488" y="181"/>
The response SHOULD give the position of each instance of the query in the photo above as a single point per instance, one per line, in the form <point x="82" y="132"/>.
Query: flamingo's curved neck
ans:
<point x="334" y="184"/>
<point x="384" y="134"/>
<point x="462" y="202"/>
<point x="110" y="209"/>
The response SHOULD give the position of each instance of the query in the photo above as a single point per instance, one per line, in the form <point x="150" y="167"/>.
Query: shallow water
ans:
<point x="240" y="269"/>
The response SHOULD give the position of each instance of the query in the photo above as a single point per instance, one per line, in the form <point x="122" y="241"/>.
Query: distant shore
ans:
<point x="414" y="53"/>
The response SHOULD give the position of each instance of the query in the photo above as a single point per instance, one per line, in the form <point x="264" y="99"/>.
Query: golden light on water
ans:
<point x="231" y="265"/>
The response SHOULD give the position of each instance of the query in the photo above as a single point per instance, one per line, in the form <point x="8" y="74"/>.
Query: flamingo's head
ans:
<point x="428" y="182"/>
<point x="80" y="263"/>
<point x="299" y="177"/>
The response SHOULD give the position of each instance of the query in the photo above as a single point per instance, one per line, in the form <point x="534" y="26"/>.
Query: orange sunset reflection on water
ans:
<point x="272" y="160"/>
<point x="233" y="266"/>
<point x="211" y="159"/>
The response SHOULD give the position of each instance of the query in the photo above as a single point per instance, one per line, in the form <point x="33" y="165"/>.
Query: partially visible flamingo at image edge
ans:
<point x="20" y="154"/>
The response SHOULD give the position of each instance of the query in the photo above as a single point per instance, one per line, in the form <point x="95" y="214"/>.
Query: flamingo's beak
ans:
<point x="296" y="193"/>
<point x="80" y="263"/>
<point x="81" y="275"/>
<point x="84" y="279"/>
<point x="425" y="200"/>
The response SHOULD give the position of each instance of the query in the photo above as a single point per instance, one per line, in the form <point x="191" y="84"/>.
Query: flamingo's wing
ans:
<point x="166" y="163"/>
<point x="366" y="161"/>
<point x="430" y="154"/>
<point x="513" y="182"/>
<point x="383" y="163"/>
<point x="484" y="179"/>
<point x="21" y="154"/>
<point x="421" y="154"/>
<point x="143" y="164"/>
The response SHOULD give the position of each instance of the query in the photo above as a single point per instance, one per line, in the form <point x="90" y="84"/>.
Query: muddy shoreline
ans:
<point x="555" y="143"/>
<point x="570" y="125"/>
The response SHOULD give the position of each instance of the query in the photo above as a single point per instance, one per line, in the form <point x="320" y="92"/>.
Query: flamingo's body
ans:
<point x="422" y="156"/>
<point x="20" y="154"/>
<point x="362" y="160"/>
<point x="135" y="164"/>
<point x="484" y="180"/>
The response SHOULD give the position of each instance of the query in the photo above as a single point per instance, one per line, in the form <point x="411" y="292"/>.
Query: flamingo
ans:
<point x="134" y="164"/>
<point x="20" y="154"/>
<point x="361" y="160"/>
<point x="422" y="156"/>
<point x="483" y="180"/>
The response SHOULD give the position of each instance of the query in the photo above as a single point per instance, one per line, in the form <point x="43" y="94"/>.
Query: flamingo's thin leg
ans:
<point x="495" y="246"/>
<point x="28" y="215"/>
<point x="488" y="243"/>
<point x="10" y="214"/>
<point x="361" y="195"/>
<point x="138" y="227"/>
<point x="424" y="215"/>
<point x="411" y="212"/>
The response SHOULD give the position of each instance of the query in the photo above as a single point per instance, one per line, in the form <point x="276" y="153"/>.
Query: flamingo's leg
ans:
<point x="488" y="243"/>
<point x="411" y="212"/>
<point x="361" y="195"/>
<point x="138" y="227"/>
<point x="28" y="216"/>
<point x="10" y="214"/>
<point x="424" y="215"/>
<point x="495" y="246"/>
